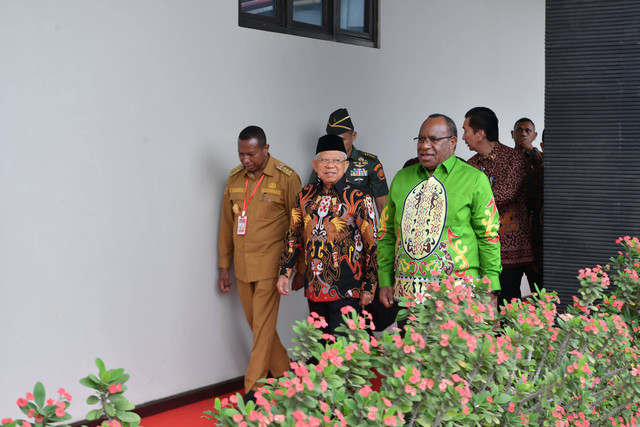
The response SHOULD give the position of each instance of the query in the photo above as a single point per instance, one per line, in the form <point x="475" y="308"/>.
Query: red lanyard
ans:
<point x="246" y="202"/>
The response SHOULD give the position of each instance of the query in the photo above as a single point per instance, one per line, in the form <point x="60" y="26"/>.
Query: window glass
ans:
<point x="352" y="13"/>
<point x="308" y="11"/>
<point x="258" y="7"/>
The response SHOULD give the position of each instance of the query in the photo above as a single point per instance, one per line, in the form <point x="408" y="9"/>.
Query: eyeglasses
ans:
<point x="432" y="139"/>
<point x="335" y="162"/>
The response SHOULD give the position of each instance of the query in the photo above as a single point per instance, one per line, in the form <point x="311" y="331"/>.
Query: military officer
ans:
<point x="365" y="170"/>
<point x="255" y="215"/>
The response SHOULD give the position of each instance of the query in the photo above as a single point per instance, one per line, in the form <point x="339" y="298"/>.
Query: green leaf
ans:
<point x="502" y="399"/>
<point x="94" y="414"/>
<point x="121" y="402"/>
<point x="88" y="382"/>
<point x="110" y="409"/>
<point x="100" y="365"/>
<point x="116" y="374"/>
<point x="92" y="400"/>
<point x="39" y="394"/>
<point x="128" y="417"/>
<point x="105" y="376"/>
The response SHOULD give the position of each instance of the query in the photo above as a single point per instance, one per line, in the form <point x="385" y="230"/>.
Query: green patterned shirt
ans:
<point x="440" y="225"/>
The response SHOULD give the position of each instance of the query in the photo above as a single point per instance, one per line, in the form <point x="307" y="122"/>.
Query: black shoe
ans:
<point x="249" y="397"/>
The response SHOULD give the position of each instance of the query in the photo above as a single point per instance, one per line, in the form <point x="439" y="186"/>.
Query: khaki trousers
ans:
<point x="260" y="301"/>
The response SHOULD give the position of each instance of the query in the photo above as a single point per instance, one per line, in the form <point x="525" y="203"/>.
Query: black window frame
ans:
<point x="282" y="22"/>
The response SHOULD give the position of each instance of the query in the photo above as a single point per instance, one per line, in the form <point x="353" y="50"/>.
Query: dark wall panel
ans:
<point x="592" y="135"/>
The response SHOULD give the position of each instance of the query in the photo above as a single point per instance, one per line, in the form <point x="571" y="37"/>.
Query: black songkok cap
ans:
<point x="339" y="122"/>
<point x="330" y="143"/>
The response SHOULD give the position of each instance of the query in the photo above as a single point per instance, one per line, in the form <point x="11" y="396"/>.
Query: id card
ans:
<point x="242" y="225"/>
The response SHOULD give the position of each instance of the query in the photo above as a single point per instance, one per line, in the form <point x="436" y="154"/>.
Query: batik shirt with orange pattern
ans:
<point x="336" y="228"/>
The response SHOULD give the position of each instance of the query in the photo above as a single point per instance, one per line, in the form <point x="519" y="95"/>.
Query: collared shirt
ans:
<point x="365" y="170"/>
<point x="438" y="226"/>
<point x="506" y="168"/>
<point x="255" y="255"/>
<point x="336" y="229"/>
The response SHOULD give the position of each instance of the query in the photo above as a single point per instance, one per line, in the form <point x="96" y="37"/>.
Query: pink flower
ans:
<point x="346" y="309"/>
<point x="22" y="402"/>
<point x="31" y="413"/>
<point x="279" y="418"/>
<point x="29" y="396"/>
<point x="489" y="399"/>
<point x="301" y="370"/>
<point x="113" y="389"/>
<point x="390" y="421"/>
<point x="26" y="424"/>
<point x="299" y="415"/>
<point x="39" y="418"/>
<point x="445" y="340"/>
<point x="60" y="412"/>
<point x="512" y="407"/>
<point x="6" y="420"/>
<point x="366" y="391"/>
<point x="50" y="401"/>
<point x="237" y="418"/>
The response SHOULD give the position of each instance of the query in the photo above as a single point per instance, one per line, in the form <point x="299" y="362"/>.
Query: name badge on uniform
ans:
<point x="242" y="225"/>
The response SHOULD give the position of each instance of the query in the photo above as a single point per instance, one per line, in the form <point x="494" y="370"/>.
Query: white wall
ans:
<point x="118" y="125"/>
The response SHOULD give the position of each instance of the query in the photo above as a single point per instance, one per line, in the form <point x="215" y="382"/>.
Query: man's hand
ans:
<point x="283" y="285"/>
<point x="298" y="281"/>
<point x="380" y="201"/>
<point x="224" y="281"/>
<point x="366" y="298"/>
<point x="386" y="296"/>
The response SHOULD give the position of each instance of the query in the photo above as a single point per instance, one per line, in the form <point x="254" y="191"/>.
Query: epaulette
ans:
<point x="373" y="156"/>
<point x="236" y="170"/>
<point x="284" y="169"/>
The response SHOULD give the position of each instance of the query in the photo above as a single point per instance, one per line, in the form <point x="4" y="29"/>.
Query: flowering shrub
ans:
<point x="461" y="363"/>
<point x="41" y="413"/>
<point x="109" y="394"/>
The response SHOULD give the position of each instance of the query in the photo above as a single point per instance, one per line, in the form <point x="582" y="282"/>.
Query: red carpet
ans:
<point x="185" y="416"/>
<point x="191" y="415"/>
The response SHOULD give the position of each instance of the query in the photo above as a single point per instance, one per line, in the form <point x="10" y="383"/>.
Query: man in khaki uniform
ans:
<point x="255" y="214"/>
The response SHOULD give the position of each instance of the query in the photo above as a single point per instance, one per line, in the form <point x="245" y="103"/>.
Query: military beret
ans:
<point x="339" y="122"/>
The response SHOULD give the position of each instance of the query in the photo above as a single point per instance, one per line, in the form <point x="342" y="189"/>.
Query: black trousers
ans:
<point x="331" y="312"/>
<point x="510" y="280"/>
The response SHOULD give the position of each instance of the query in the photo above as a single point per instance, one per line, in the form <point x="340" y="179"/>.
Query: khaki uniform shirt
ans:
<point x="256" y="254"/>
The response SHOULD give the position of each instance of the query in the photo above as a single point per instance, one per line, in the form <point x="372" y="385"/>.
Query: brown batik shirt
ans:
<point x="506" y="168"/>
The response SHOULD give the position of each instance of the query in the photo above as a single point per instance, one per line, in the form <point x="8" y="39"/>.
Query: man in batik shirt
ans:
<point x="506" y="169"/>
<point x="523" y="134"/>
<point x="334" y="223"/>
<point x="440" y="220"/>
